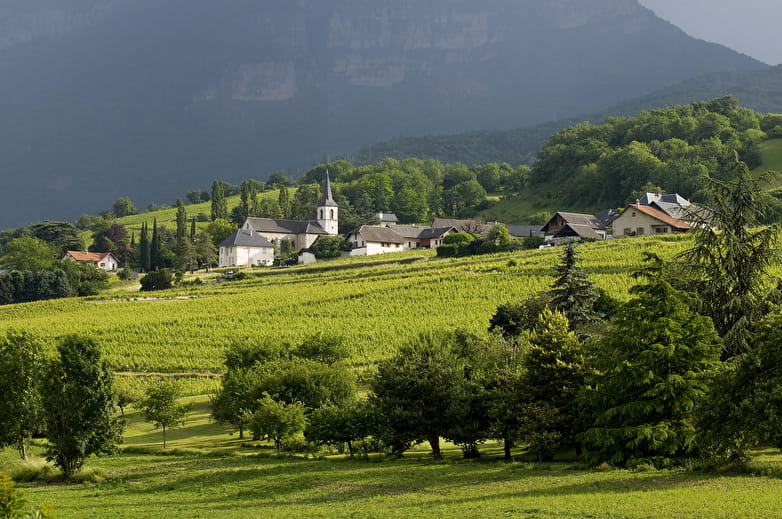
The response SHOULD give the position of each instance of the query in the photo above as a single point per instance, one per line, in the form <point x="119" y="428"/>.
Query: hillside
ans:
<point x="758" y="90"/>
<point x="102" y="99"/>
<point x="375" y="302"/>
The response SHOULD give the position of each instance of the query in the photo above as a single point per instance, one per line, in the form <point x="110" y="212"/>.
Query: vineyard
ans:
<point x="376" y="303"/>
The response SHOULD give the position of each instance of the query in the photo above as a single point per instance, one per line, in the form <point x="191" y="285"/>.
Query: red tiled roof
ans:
<point x="87" y="256"/>
<point x="659" y="215"/>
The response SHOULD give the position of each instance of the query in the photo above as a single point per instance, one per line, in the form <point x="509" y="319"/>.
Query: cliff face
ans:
<point x="102" y="97"/>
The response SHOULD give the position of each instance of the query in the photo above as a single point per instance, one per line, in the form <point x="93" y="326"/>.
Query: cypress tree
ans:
<point x="181" y="220"/>
<point x="145" y="260"/>
<point x="219" y="205"/>
<point x="155" y="248"/>
<point x="284" y="201"/>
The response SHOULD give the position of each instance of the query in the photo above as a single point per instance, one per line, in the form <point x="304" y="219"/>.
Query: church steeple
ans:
<point x="328" y="211"/>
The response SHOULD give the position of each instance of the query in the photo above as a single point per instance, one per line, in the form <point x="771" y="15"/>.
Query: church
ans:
<point x="258" y="238"/>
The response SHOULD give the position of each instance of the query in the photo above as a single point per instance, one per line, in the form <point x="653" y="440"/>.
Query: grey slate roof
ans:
<point x="285" y="226"/>
<point x="388" y="217"/>
<point x="378" y="234"/>
<point x="421" y="231"/>
<point x="525" y="231"/>
<point x="246" y="238"/>
<point x="472" y="226"/>
<point x="579" y="219"/>
<point x="582" y="230"/>
<point x="327" y="200"/>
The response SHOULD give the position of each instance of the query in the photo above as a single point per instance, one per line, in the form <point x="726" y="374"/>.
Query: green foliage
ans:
<point x="219" y="230"/>
<point x="21" y="412"/>
<point x="651" y="374"/>
<point x="123" y="207"/>
<point x="332" y="425"/>
<point x="28" y="253"/>
<point x="62" y="235"/>
<point x="728" y="266"/>
<point x="160" y="406"/>
<point x="322" y="347"/>
<point x="328" y="247"/>
<point x="12" y="501"/>
<point x="277" y="420"/>
<point x="512" y="319"/>
<point x="79" y="403"/>
<point x="158" y="280"/>
<point x="219" y="205"/>
<point x="420" y="393"/>
<point x="554" y="372"/>
<point x="572" y="293"/>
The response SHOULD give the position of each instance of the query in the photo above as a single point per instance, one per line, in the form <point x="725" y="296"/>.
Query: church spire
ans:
<point x="327" y="200"/>
<point x="328" y="212"/>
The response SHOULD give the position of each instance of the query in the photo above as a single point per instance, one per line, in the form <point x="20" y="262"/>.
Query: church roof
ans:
<point x="246" y="238"/>
<point x="327" y="200"/>
<point x="284" y="226"/>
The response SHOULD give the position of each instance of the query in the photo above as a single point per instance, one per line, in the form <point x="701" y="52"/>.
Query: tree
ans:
<point x="155" y="248"/>
<point x="332" y="425"/>
<point x="219" y="230"/>
<point x="219" y="204"/>
<point x="205" y="250"/>
<point x="500" y="239"/>
<point x="114" y="239"/>
<point x="278" y="179"/>
<point x="284" y="202"/>
<point x="158" y="280"/>
<point x="123" y="207"/>
<point x="419" y="393"/>
<point x="160" y="406"/>
<point x="62" y="235"/>
<point x="21" y="412"/>
<point x="651" y="373"/>
<point x="197" y="196"/>
<point x="181" y="220"/>
<point x="27" y="253"/>
<point x="729" y="263"/>
<point x="554" y="371"/>
<point x="78" y="401"/>
<point x="328" y="247"/>
<point x="145" y="251"/>
<point x="572" y="293"/>
<point x="511" y="319"/>
<point x="237" y="396"/>
<point x="278" y="420"/>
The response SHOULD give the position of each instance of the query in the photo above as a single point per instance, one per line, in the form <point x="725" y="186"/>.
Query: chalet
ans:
<point x="569" y="226"/>
<point x="103" y="260"/>
<point x="639" y="219"/>
<point x="246" y="247"/>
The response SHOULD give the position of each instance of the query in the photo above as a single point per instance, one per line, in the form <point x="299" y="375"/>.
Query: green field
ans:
<point x="207" y="473"/>
<point x="376" y="303"/>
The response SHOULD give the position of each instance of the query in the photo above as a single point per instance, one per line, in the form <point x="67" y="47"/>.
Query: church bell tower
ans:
<point x="328" y="211"/>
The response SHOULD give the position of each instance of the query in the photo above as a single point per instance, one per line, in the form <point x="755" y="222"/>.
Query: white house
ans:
<point x="103" y="260"/>
<point x="374" y="239"/>
<point x="639" y="219"/>
<point x="245" y="248"/>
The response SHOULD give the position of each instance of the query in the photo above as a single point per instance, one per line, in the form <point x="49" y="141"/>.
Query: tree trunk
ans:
<point x="435" y="443"/>
<point x="241" y="430"/>
<point x="23" y="450"/>
<point x="350" y="448"/>
<point x="164" y="436"/>
<point x="278" y="444"/>
<point x="508" y="445"/>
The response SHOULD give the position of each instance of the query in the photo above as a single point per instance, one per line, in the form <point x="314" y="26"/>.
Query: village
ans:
<point x="259" y="240"/>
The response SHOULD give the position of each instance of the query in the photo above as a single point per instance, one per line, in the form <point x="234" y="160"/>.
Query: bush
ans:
<point x="158" y="280"/>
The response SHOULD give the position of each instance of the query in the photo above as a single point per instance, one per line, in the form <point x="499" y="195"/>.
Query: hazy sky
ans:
<point x="748" y="26"/>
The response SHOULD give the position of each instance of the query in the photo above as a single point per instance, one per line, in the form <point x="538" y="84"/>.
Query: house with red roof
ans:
<point x="103" y="260"/>
<point x="639" y="219"/>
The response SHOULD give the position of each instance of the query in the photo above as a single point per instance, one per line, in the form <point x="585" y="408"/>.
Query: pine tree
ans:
<point x="554" y="371"/>
<point x="650" y="375"/>
<point x="572" y="293"/>
<point x="193" y="229"/>
<point x="728" y="265"/>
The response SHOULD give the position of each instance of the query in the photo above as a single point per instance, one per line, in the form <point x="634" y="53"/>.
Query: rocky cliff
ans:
<point x="148" y="99"/>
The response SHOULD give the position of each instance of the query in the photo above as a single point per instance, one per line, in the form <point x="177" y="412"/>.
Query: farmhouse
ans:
<point x="374" y="239"/>
<point x="103" y="260"/>
<point x="568" y="226"/>
<point x="639" y="219"/>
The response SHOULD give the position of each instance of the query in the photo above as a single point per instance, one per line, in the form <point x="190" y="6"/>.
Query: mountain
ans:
<point x="758" y="90"/>
<point x="148" y="99"/>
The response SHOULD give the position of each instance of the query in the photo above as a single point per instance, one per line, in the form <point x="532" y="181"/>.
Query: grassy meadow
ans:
<point x="377" y="303"/>
<point x="205" y="472"/>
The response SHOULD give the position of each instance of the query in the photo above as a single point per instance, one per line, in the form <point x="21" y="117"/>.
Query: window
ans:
<point x="331" y="214"/>
<point x="661" y="230"/>
<point x="633" y="214"/>
<point x="639" y="230"/>
<point x="628" y="231"/>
